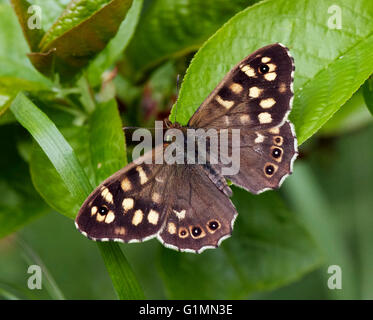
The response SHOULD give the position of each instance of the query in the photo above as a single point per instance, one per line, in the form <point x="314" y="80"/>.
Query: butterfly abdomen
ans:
<point x="217" y="179"/>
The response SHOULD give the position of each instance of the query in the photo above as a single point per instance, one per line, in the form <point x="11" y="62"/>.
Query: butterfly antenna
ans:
<point x="177" y="93"/>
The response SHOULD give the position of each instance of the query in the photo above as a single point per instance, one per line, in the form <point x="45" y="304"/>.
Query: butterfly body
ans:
<point x="187" y="205"/>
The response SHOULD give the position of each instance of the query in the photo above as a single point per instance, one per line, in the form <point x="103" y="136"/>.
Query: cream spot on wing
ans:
<point x="259" y="138"/>
<point x="106" y="194"/>
<point x="255" y="92"/>
<point x="94" y="210"/>
<point x="282" y="88"/>
<point x="225" y="103"/>
<point x="128" y="204"/>
<point x="265" y="117"/>
<point x="274" y="130"/>
<point x="171" y="228"/>
<point x="153" y="216"/>
<point x="250" y="72"/>
<point x="156" y="197"/>
<point x="142" y="175"/>
<point x="110" y="217"/>
<point x="245" y="119"/>
<point x="100" y="217"/>
<point x="270" y="76"/>
<point x="137" y="217"/>
<point x="120" y="230"/>
<point x="267" y="103"/>
<point x="266" y="59"/>
<point x="181" y="214"/>
<point x="236" y="88"/>
<point x="272" y="67"/>
<point x="126" y="185"/>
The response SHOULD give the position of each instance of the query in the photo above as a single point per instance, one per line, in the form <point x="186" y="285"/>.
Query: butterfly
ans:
<point x="187" y="206"/>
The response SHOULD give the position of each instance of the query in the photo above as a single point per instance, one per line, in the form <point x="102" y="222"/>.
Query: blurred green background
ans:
<point x="283" y="241"/>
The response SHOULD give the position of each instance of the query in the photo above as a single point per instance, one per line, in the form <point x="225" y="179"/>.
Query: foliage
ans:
<point x="98" y="65"/>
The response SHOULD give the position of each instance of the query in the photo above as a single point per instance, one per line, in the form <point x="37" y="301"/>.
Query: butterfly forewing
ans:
<point x="129" y="205"/>
<point x="256" y="94"/>
<point x="255" y="97"/>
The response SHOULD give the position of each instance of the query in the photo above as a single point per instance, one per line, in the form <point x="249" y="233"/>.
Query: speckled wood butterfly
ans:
<point x="187" y="206"/>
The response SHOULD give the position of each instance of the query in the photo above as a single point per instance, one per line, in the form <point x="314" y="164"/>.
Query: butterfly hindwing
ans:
<point x="266" y="158"/>
<point x="200" y="215"/>
<point x="257" y="93"/>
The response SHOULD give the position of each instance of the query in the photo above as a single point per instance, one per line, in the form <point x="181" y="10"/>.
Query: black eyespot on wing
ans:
<point x="196" y="231"/>
<point x="269" y="169"/>
<point x="103" y="210"/>
<point x="276" y="153"/>
<point x="263" y="68"/>
<point x="213" y="225"/>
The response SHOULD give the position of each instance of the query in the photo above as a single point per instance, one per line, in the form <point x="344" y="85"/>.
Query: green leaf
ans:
<point x="13" y="49"/>
<point x="171" y="28"/>
<point x="327" y="72"/>
<point x="67" y="165"/>
<point x="368" y="94"/>
<point x="47" y="180"/>
<point x="33" y="36"/>
<point x="106" y="142"/>
<point x="10" y="86"/>
<point x="116" y="46"/>
<point x="351" y="116"/>
<point x="51" y="10"/>
<point x="99" y="148"/>
<point x="83" y="30"/>
<point x="16" y="71"/>
<point x="268" y="248"/>
<point x="119" y="269"/>
<point x="19" y="203"/>
<point x="54" y="145"/>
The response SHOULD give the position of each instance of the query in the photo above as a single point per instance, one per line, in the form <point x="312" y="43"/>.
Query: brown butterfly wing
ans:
<point x="200" y="215"/>
<point x="255" y="97"/>
<point x="128" y="205"/>
<point x="266" y="158"/>
<point x="143" y="201"/>
<point x="257" y="93"/>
